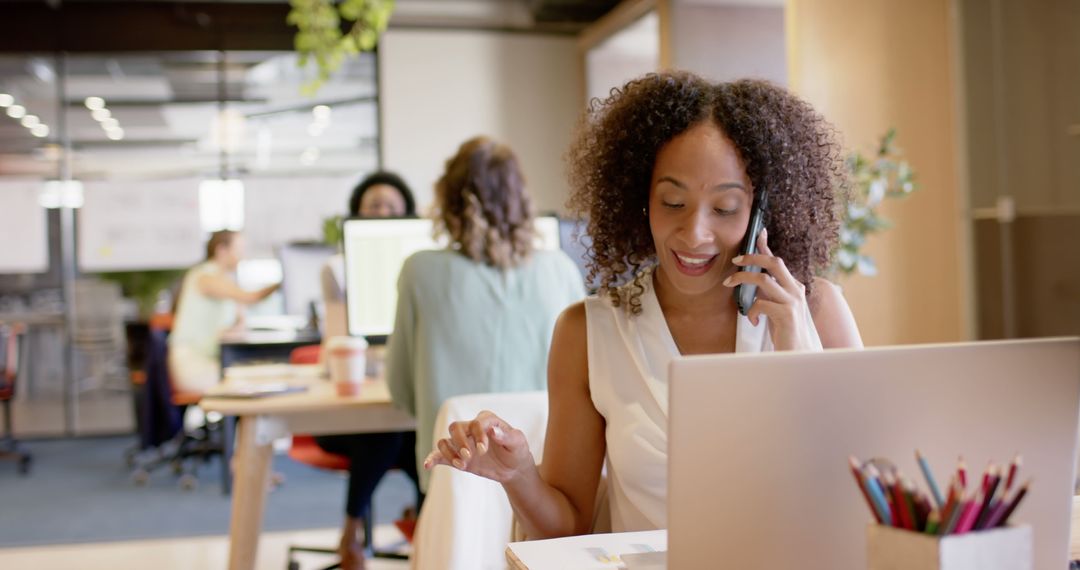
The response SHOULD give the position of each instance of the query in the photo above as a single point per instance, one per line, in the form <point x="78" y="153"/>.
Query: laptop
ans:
<point x="759" y="444"/>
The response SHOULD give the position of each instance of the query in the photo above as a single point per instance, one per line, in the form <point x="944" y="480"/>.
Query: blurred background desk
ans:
<point x="317" y="411"/>
<point x="263" y="345"/>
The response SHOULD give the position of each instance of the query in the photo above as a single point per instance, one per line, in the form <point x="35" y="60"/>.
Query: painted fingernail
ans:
<point x="466" y="454"/>
<point x="481" y="447"/>
<point x="728" y="281"/>
<point x="428" y="460"/>
<point x="737" y="259"/>
<point x="459" y="464"/>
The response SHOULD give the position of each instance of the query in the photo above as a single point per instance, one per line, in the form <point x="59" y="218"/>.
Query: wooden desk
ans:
<point x="237" y="347"/>
<point x="318" y="411"/>
<point x="247" y="346"/>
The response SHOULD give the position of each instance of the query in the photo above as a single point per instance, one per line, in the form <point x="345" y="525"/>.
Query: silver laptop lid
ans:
<point x="758" y="472"/>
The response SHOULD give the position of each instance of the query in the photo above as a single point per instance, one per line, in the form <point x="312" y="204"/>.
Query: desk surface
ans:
<point x="320" y="395"/>
<point x="269" y="337"/>
<point x="318" y="411"/>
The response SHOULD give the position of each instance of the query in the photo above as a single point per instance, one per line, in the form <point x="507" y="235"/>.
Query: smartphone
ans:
<point x="746" y="293"/>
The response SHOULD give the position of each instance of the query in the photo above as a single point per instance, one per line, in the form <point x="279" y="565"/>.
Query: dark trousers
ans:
<point x="371" y="455"/>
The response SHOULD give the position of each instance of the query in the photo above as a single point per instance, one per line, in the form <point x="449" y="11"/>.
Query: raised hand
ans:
<point x="486" y="446"/>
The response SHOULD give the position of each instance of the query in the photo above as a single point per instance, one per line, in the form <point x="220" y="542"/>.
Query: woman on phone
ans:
<point x="667" y="169"/>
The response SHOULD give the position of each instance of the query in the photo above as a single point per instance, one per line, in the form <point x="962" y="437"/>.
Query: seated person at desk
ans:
<point x="371" y="455"/>
<point x="380" y="195"/>
<point x="207" y="307"/>
<point x="476" y="317"/>
<point x="667" y="169"/>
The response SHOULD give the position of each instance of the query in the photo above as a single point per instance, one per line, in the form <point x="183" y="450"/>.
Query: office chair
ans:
<point x="12" y="361"/>
<point x="180" y="448"/>
<point x="306" y="450"/>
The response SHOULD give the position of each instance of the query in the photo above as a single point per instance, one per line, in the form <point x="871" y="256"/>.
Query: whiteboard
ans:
<point x="24" y="231"/>
<point x="140" y="225"/>
<point x="282" y="210"/>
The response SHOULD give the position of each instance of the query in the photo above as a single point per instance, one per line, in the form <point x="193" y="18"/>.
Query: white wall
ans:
<point x="282" y="210"/>
<point x="439" y="88"/>
<point x="631" y="52"/>
<point x="726" y="42"/>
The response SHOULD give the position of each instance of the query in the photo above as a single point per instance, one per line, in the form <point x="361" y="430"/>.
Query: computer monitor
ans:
<point x="254" y="274"/>
<point x="575" y="242"/>
<point x="548" y="236"/>
<point x="375" y="250"/>
<point x="759" y="444"/>
<point x="301" y="268"/>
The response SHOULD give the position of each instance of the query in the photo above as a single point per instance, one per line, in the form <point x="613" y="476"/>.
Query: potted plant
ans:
<point x="883" y="175"/>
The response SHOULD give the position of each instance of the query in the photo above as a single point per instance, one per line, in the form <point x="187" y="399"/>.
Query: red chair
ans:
<point x="12" y="345"/>
<point x="305" y="450"/>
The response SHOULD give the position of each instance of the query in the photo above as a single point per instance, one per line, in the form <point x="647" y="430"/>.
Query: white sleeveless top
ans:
<point x="628" y="367"/>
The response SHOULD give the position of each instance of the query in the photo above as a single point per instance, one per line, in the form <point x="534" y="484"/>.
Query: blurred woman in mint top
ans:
<point x="210" y="303"/>
<point x="478" y="316"/>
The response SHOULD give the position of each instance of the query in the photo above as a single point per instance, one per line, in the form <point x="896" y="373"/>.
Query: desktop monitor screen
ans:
<point x="254" y="274"/>
<point x="375" y="250"/>
<point x="301" y="268"/>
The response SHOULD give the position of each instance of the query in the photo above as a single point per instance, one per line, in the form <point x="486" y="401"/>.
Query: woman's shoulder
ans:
<point x="832" y="316"/>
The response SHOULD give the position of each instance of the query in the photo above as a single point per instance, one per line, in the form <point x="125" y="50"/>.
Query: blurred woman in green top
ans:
<point x="210" y="304"/>
<point x="478" y="316"/>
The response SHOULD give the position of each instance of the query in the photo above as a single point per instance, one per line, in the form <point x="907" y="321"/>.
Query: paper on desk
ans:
<point x="240" y="389"/>
<point x="587" y="552"/>
<point x="272" y="372"/>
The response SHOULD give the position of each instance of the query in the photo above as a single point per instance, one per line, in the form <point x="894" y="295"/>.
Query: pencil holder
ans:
<point x="1008" y="548"/>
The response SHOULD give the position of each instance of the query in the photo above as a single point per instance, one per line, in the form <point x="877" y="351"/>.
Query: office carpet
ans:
<point x="80" y="490"/>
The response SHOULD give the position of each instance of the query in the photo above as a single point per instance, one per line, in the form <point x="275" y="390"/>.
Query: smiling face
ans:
<point x="699" y="208"/>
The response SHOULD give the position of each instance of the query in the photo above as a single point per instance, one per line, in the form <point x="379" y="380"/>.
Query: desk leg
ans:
<point x="228" y="435"/>
<point x="249" y="495"/>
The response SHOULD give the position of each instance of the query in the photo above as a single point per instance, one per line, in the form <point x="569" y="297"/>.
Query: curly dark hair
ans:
<point x="786" y="146"/>
<point x="482" y="205"/>
<point x="375" y="179"/>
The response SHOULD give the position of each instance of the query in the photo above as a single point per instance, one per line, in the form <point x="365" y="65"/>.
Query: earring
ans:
<point x="644" y="213"/>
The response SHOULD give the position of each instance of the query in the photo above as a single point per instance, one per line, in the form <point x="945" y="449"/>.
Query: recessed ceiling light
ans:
<point x="30" y="121"/>
<point x="40" y="131"/>
<point x="115" y="134"/>
<point x="94" y="103"/>
<point x="16" y="111"/>
<point x="321" y="112"/>
<point x="101" y="114"/>
<point x="6" y="100"/>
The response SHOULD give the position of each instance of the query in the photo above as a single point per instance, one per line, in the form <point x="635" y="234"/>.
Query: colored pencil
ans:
<point x="987" y="475"/>
<point x="1013" y="468"/>
<point x="907" y="491"/>
<point x="901" y="506"/>
<point x="1013" y="504"/>
<point x="878" y="495"/>
<point x="934" y="491"/>
<point x="932" y="523"/>
<point x="956" y="513"/>
<point x="989" y="492"/>
<point x="950" y="505"/>
<point x="971" y="510"/>
<point x="961" y="473"/>
<point x="864" y="488"/>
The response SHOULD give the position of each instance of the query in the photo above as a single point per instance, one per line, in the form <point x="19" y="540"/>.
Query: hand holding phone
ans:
<point x="745" y="293"/>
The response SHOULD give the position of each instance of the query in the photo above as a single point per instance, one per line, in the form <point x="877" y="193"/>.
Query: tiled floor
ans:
<point x="202" y="553"/>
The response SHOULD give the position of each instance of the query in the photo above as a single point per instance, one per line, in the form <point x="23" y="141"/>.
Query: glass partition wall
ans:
<point x="113" y="170"/>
